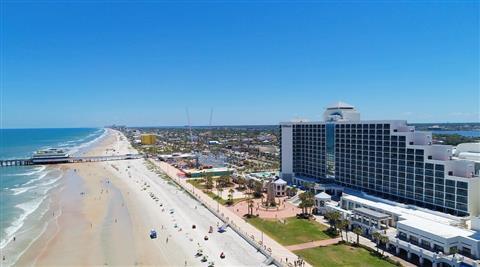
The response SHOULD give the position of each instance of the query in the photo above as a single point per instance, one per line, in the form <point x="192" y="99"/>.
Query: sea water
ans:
<point x="25" y="190"/>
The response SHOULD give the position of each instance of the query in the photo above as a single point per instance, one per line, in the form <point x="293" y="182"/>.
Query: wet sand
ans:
<point x="105" y="211"/>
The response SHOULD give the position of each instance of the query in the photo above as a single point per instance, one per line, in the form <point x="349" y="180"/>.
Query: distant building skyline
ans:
<point x="142" y="64"/>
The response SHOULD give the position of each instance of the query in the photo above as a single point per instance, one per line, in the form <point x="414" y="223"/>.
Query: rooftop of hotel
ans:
<point x="439" y="229"/>
<point x="402" y="210"/>
<point x="442" y="225"/>
<point x="305" y="121"/>
<point x="340" y="105"/>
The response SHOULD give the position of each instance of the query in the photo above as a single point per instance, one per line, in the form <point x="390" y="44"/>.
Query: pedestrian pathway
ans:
<point x="281" y="254"/>
<point x="314" y="244"/>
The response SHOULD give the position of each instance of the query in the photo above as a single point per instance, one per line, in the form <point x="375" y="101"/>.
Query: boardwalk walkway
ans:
<point x="254" y="236"/>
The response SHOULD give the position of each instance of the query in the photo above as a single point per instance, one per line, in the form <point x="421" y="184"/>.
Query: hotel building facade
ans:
<point x="385" y="158"/>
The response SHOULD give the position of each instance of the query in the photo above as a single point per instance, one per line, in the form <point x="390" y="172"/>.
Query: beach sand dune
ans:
<point x="105" y="211"/>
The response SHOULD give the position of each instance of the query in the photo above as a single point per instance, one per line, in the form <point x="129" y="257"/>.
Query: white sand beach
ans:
<point x="105" y="211"/>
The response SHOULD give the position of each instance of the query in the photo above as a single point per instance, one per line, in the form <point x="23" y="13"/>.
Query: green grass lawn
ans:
<point x="293" y="231"/>
<point x="341" y="255"/>
<point x="198" y="183"/>
<point x="215" y="197"/>
<point x="221" y="200"/>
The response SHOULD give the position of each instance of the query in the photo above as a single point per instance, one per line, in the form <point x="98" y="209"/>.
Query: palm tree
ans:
<point x="358" y="231"/>
<point x="384" y="240"/>
<point x="224" y="180"/>
<point x="250" y="186"/>
<point x="241" y="183"/>
<point x="220" y="191"/>
<point x="258" y="186"/>
<point x="345" y="224"/>
<point x="230" y="196"/>
<point x="250" y="207"/>
<point x="333" y="217"/>
<point x="342" y="224"/>
<point x="221" y="181"/>
<point x="376" y="237"/>
<point x="208" y="182"/>
<point x="307" y="201"/>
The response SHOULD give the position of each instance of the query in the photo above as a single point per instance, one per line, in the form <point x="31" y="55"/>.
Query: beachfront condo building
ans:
<point x="386" y="158"/>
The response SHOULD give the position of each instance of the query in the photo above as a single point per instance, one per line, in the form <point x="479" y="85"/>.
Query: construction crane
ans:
<point x="194" y="150"/>
<point x="189" y="126"/>
<point x="211" y="116"/>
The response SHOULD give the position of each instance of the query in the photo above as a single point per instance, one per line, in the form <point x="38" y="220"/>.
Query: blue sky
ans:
<point x="92" y="64"/>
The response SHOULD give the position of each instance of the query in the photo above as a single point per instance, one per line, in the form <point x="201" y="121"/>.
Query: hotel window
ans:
<point x="439" y="167"/>
<point x="462" y="185"/>
<point x="413" y="240"/>
<point x="450" y="183"/>
<point x="466" y="251"/>
<point x="461" y="199"/>
<point x="437" y="248"/>
<point x="450" y="204"/>
<point x="425" y="244"/>
<point x="462" y="192"/>
<point x="462" y="207"/>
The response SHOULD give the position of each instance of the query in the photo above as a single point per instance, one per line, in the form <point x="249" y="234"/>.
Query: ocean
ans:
<point x="25" y="191"/>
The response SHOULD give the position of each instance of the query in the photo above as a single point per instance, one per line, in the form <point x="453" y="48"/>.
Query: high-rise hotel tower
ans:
<point x="383" y="158"/>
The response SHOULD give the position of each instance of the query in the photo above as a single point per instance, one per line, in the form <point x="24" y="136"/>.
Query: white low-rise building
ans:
<point x="280" y="187"/>
<point x="422" y="235"/>
<point x="438" y="237"/>
<point x="321" y="200"/>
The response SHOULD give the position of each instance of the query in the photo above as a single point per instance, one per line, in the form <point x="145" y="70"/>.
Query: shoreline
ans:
<point x="35" y="221"/>
<point x="35" y="217"/>
<point x="107" y="210"/>
<point x="79" y="233"/>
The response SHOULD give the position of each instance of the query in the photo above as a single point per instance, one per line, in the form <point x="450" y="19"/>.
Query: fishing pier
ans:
<point x="31" y="161"/>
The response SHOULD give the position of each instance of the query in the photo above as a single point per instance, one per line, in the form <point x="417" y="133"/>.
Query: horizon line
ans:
<point x="177" y="126"/>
